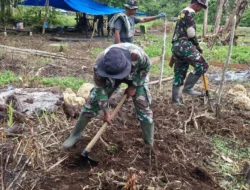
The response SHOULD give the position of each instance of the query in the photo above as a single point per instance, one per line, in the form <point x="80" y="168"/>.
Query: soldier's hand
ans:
<point x="161" y="15"/>
<point x="130" y="91"/>
<point x="199" y="49"/>
<point x="107" y="117"/>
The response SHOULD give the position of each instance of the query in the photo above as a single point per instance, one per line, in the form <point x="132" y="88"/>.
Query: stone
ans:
<point x="84" y="90"/>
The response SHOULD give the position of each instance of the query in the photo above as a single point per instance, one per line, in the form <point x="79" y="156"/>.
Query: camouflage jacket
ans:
<point x="137" y="77"/>
<point x="185" y="27"/>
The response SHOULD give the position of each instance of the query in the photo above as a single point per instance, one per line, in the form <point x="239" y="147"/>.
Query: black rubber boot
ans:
<point x="148" y="133"/>
<point x="77" y="132"/>
<point x="176" y="96"/>
<point x="189" y="84"/>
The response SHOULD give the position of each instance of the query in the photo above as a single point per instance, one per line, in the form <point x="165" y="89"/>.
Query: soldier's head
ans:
<point x="198" y="5"/>
<point x="131" y="7"/>
<point x="116" y="64"/>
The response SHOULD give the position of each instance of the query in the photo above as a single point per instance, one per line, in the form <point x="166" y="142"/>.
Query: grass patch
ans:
<point x="96" y="51"/>
<point x="227" y="162"/>
<point x="7" y="77"/>
<point x="62" y="82"/>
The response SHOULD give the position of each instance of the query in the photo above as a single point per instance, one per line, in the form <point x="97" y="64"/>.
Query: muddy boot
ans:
<point x="189" y="84"/>
<point x="176" y="96"/>
<point x="77" y="132"/>
<point x="148" y="133"/>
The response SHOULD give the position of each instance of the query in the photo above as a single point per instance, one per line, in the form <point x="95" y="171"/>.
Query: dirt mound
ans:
<point x="179" y="163"/>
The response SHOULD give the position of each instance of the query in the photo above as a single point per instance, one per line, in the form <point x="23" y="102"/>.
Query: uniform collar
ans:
<point x="189" y="9"/>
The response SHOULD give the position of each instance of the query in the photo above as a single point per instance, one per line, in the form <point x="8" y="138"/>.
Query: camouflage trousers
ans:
<point x="142" y="101"/>
<point x="185" y="54"/>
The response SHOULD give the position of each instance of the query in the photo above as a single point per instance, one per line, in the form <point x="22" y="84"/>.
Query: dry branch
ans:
<point x="59" y="162"/>
<point x="163" y="80"/>
<point x="190" y="117"/>
<point x="27" y="161"/>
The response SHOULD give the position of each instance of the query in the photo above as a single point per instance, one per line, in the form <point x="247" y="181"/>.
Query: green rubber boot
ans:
<point x="189" y="84"/>
<point x="77" y="132"/>
<point x="176" y="96"/>
<point x="148" y="133"/>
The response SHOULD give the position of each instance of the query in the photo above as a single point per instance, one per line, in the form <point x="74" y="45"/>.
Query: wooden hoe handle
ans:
<point x="105" y="125"/>
<point x="205" y="82"/>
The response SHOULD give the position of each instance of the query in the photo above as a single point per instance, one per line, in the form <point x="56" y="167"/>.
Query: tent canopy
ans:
<point x="86" y="6"/>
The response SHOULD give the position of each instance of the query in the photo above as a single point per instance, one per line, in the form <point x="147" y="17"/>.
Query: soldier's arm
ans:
<point x="118" y="27"/>
<point x="99" y="81"/>
<point x="190" y="25"/>
<point x="144" y="65"/>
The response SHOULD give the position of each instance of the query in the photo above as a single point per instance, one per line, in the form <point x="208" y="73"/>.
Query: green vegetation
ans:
<point x="229" y="154"/>
<point x="95" y="51"/>
<point x="63" y="82"/>
<point x="8" y="77"/>
<point x="173" y="7"/>
<point x="35" y="16"/>
<point x="113" y="149"/>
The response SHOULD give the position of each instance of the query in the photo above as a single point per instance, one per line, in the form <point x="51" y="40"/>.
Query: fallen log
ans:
<point x="71" y="39"/>
<point x="17" y="115"/>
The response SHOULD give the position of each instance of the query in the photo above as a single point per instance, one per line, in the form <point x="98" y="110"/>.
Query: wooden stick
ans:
<point x="225" y="66"/>
<point x="105" y="125"/>
<point x="163" y="51"/>
<point x="163" y="80"/>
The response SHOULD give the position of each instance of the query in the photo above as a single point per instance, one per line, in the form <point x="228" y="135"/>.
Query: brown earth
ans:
<point x="181" y="157"/>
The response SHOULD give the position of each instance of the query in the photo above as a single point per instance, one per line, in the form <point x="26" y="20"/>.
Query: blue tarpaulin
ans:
<point x="86" y="6"/>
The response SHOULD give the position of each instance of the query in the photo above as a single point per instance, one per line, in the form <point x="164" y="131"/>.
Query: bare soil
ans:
<point x="180" y="158"/>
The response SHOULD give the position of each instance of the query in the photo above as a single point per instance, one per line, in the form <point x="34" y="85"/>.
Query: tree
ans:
<point x="239" y="8"/>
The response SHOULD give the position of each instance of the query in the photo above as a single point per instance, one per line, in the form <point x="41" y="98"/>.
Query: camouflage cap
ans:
<point x="202" y="3"/>
<point x="131" y="4"/>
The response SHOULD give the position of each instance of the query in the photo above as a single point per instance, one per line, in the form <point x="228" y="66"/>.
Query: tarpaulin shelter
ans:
<point x="86" y="6"/>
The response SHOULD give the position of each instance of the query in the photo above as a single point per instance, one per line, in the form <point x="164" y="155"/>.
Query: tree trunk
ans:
<point x="216" y="27"/>
<point x="239" y="8"/>
<point x="205" y="20"/>
<point x="46" y="15"/>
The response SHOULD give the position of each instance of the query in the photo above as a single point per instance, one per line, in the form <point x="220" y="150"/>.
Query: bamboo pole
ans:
<point x="30" y="51"/>
<point x="46" y="15"/>
<point x="225" y="67"/>
<point x="163" y="51"/>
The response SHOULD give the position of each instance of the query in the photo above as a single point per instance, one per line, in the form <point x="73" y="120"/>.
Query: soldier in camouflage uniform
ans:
<point x="119" y="63"/>
<point x="186" y="51"/>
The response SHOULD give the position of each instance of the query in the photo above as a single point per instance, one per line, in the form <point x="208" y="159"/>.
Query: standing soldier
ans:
<point x="186" y="50"/>
<point x="123" y="24"/>
<point x="119" y="63"/>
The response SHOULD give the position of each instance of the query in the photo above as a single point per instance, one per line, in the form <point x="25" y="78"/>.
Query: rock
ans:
<point x="242" y="102"/>
<point x="71" y="98"/>
<point x="84" y="90"/>
<point x="237" y="90"/>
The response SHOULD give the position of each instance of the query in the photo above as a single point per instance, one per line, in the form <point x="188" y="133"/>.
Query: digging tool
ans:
<point x="85" y="152"/>
<point x="207" y="92"/>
